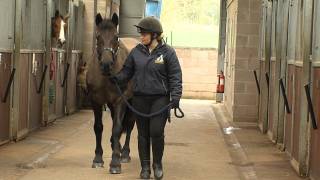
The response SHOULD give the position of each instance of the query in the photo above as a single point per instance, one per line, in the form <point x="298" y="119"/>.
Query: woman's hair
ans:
<point x="160" y="37"/>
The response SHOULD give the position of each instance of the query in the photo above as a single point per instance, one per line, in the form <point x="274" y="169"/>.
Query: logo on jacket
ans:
<point x="159" y="60"/>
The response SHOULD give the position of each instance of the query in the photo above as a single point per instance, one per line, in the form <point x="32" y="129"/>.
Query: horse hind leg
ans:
<point x="128" y="125"/>
<point x="98" y="129"/>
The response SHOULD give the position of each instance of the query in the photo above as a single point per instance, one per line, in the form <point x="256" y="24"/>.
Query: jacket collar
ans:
<point x="145" y="49"/>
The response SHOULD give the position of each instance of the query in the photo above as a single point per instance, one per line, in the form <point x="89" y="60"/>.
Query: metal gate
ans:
<point x="6" y="51"/>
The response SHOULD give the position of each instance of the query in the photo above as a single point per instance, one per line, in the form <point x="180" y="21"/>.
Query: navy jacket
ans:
<point x="158" y="73"/>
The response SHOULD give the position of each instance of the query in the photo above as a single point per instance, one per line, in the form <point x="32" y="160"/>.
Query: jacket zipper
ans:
<point x="144" y="71"/>
<point x="164" y="87"/>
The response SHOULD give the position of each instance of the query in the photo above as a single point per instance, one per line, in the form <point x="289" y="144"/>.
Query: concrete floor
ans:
<point x="197" y="147"/>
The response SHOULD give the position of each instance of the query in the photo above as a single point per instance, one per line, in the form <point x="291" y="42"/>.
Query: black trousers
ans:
<point x="151" y="128"/>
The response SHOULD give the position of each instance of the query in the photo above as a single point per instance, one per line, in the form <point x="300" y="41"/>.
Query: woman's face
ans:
<point x="145" y="38"/>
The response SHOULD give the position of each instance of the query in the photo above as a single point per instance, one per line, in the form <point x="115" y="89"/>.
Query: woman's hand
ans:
<point x="175" y="103"/>
<point x="113" y="79"/>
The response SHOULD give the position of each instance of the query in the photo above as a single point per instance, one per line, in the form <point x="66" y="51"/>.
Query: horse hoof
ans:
<point x="97" y="165"/>
<point x="115" y="170"/>
<point x="125" y="159"/>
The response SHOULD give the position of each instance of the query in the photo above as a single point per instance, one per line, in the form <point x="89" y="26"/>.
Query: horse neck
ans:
<point x="54" y="42"/>
<point x="121" y="57"/>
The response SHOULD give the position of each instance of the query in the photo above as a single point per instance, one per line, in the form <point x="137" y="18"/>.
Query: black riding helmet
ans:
<point x="149" y="25"/>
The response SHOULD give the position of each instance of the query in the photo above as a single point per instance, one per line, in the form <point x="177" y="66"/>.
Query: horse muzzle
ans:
<point x="61" y="43"/>
<point x="106" y="68"/>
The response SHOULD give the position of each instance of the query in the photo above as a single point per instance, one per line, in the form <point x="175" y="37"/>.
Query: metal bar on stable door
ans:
<point x="310" y="107"/>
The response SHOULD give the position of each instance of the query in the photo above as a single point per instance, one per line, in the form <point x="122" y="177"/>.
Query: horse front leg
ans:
<point x="129" y="120"/>
<point x="118" y="115"/>
<point x="98" y="129"/>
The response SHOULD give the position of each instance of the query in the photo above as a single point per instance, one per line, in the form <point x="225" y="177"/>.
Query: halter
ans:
<point x="114" y="52"/>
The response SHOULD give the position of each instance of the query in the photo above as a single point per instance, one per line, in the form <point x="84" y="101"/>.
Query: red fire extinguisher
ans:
<point x="220" y="85"/>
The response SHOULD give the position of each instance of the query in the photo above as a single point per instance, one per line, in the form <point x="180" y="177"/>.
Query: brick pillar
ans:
<point x="242" y="95"/>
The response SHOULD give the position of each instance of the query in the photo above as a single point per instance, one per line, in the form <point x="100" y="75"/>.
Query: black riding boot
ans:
<point x="157" y="150"/>
<point x="144" y="154"/>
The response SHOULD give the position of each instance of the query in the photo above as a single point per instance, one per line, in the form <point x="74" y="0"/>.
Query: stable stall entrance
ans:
<point x="31" y="65"/>
<point x="23" y="70"/>
<point x="64" y="61"/>
<point x="57" y="67"/>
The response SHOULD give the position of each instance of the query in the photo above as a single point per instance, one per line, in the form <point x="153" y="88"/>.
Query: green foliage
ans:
<point x="193" y="23"/>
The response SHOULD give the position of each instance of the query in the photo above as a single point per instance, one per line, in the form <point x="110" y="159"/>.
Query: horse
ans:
<point x="59" y="28"/>
<point x="109" y="58"/>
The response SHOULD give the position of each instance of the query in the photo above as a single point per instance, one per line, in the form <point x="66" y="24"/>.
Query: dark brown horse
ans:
<point x="108" y="59"/>
<point x="59" y="29"/>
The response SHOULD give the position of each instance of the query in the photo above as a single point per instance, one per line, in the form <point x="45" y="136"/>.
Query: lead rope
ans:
<point x="163" y="109"/>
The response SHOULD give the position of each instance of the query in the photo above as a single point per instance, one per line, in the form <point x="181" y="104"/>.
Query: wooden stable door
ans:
<point x="36" y="71"/>
<point x="315" y="133"/>
<point x="5" y="72"/>
<point x="72" y="83"/>
<point x="23" y="95"/>
<point x="57" y="90"/>
<point x="6" y="49"/>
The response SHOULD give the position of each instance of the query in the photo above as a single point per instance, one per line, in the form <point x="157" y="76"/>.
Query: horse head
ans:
<point x="107" y="42"/>
<point x="59" y="28"/>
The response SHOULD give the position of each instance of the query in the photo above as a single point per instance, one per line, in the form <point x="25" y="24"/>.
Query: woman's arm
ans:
<point x="127" y="70"/>
<point x="174" y="77"/>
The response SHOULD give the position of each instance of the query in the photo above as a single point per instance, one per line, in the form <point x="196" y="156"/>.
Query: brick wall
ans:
<point x="199" y="68"/>
<point x="242" y="56"/>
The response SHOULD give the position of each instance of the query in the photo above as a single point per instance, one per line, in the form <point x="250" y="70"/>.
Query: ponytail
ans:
<point x="160" y="37"/>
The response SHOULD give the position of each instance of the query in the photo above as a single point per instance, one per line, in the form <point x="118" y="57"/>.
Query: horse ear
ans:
<point x="57" y="13"/>
<point x="115" y="19"/>
<point x="98" y="19"/>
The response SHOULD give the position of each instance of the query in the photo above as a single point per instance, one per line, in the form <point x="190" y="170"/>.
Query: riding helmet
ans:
<point x="150" y="24"/>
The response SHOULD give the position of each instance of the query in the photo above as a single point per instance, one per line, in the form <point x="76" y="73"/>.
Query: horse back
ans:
<point x="129" y="43"/>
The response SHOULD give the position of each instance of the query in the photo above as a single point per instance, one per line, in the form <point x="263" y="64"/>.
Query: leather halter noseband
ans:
<point x="114" y="52"/>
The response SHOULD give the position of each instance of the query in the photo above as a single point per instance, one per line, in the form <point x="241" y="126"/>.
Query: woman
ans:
<point x="156" y="73"/>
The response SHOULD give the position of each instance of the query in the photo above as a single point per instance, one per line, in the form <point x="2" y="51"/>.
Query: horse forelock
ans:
<point x="106" y="25"/>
